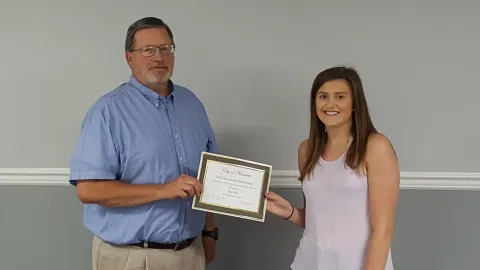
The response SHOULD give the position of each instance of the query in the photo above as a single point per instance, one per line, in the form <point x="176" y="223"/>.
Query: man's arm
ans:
<point x="114" y="193"/>
<point x="209" y="242"/>
<point x="96" y="163"/>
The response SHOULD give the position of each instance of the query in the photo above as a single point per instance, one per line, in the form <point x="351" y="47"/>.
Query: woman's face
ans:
<point x="334" y="103"/>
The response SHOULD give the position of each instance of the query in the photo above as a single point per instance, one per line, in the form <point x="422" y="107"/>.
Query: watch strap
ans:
<point x="210" y="233"/>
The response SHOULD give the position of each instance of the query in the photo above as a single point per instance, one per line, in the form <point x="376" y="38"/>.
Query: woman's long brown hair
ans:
<point x="362" y="125"/>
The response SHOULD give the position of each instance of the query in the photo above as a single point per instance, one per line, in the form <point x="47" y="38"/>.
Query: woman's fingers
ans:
<point x="271" y="196"/>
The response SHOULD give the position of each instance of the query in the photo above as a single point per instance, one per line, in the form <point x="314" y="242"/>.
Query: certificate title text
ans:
<point x="231" y="175"/>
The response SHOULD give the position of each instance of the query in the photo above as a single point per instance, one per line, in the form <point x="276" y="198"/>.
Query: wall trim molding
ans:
<point x="34" y="176"/>
<point x="280" y="179"/>
<point x="408" y="180"/>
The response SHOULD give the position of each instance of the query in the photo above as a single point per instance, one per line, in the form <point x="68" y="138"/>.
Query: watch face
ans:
<point x="213" y="234"/>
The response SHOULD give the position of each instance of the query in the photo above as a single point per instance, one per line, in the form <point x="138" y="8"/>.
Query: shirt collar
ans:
<point x="151" y="95"/>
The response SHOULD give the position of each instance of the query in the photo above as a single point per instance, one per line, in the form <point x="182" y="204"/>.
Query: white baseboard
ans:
<point x="280" y="179"/>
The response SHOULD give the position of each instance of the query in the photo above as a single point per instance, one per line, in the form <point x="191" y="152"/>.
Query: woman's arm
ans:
<point x="278" y="206"/>
<point x="383" y="184"/>
<point x="298" y="217"/>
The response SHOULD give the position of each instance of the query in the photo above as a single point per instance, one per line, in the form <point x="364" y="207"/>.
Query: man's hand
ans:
<point x="183" y="187"/>
<point x="115" y="193"/>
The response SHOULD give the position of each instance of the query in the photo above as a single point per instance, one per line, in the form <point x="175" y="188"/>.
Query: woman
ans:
<point x="350" y="180"/>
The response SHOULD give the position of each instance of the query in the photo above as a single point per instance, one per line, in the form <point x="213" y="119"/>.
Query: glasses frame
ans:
<point x="158" y="48"/>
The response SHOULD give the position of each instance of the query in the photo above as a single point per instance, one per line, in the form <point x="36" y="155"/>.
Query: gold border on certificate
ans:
<point x="264" y="170"/>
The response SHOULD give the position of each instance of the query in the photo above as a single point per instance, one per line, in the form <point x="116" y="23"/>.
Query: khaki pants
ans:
<point x="108" y="257"/>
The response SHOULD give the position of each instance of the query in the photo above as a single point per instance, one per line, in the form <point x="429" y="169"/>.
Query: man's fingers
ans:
<point x="198" y="188"/>
<point x="191" y="181"/>
<point x="188" y="189"/>
<point x="194" y="184"/>
<point x="193" y="189"/>
<point x="182" y="194"/>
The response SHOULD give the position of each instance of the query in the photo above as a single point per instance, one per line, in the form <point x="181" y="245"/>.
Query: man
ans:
<point x="136" y="160"/>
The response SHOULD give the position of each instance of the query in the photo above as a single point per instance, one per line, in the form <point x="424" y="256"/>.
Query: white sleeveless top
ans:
<point x="337" y="220"/>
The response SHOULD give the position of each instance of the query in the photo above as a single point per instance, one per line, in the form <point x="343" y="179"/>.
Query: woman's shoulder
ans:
<point x="303" y="146"/>
<point x="302" y="153"/>
<point x="378" y="140"/>
<point x="379" y="146"/>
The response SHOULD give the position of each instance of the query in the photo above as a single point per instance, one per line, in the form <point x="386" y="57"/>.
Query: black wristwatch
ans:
<point x="213" y="234"/>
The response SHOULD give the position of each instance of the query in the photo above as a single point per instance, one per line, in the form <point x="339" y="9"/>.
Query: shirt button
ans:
<point x="176" y="135"/>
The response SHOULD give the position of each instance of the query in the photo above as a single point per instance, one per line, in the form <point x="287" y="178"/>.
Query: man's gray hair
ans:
<point x="144" y="23"/>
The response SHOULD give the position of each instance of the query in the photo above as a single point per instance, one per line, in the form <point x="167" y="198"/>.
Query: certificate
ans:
<point x="232" y="186"/>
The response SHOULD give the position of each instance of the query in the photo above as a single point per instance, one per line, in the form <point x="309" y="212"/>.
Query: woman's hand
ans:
<point x="278" y="206"/>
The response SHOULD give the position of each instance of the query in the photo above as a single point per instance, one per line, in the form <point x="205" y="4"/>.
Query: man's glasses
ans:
<point x="150" y="50"/>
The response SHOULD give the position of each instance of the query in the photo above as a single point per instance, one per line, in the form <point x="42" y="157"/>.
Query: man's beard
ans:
<point x="153" y="78"/>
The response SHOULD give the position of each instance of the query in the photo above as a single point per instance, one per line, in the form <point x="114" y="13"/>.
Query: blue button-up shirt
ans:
<point x="135" y="135"/>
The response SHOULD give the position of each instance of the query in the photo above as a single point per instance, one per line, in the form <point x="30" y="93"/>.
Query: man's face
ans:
<point x="156" y="69"/>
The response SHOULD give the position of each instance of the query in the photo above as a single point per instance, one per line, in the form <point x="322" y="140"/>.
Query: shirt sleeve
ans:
<point x="212" y="146"/>
<point x="95" y="155"/>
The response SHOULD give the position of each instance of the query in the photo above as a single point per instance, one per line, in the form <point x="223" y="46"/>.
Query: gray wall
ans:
<point x="419" y="61"/>
<point x="41" y="228"/>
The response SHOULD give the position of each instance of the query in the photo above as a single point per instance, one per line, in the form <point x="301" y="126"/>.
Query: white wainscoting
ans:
<point x="280" y="179"/>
